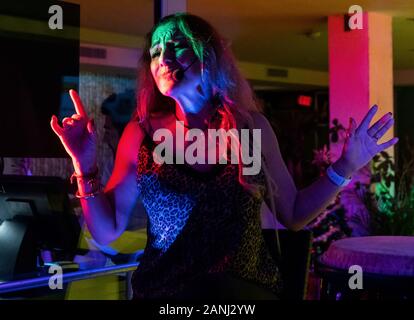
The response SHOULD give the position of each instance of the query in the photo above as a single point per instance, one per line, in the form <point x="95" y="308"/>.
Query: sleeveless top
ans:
<point x="198" y="223"/>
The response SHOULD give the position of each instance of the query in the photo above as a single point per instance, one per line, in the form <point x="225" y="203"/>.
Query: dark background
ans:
<point x="299" y="129"/>
<point x="36" y="71"/>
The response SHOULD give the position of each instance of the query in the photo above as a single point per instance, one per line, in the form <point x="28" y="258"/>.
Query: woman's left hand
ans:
<point x="361" y="144"/>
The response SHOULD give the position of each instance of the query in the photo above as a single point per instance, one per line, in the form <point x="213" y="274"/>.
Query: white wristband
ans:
<point x="337" y="179"/>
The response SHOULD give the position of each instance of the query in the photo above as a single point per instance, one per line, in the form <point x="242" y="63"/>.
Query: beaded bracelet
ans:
<point x="92" y="180"/>
<point x="88" y="195"/>
<point x="89" y="176"/>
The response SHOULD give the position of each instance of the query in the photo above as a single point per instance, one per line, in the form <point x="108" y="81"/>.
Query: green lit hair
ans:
<point x="220" y="75"/>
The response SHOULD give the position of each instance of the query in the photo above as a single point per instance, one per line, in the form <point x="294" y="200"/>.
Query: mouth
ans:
<point x="168" y="74"/>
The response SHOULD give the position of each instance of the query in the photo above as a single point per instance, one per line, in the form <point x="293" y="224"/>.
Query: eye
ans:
<point x="180" y="46"/>
<point x="155" y="53"/>
<point x="180" y="49"/>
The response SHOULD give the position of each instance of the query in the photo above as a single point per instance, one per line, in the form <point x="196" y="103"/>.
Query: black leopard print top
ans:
<point x="198" y="223"/>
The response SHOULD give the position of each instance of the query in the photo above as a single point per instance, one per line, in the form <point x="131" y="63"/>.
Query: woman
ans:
<point x="204" y="231"/>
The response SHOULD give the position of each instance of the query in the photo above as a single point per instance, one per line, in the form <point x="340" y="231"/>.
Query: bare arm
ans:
<point x="107" y="214"/>
<point x="296" y="208"/>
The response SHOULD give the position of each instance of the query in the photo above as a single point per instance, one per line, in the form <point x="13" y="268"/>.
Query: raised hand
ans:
<point x="361" y="144"/>
<point x="78" y="136"/>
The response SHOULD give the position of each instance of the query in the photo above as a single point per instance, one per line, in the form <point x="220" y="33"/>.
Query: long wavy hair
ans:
<point x="231" y="92"/>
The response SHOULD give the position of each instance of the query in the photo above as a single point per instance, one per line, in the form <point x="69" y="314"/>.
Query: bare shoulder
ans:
<point x="269" y="140"/>
<point x="130" y="141"/>
<point x="133" y="130"/>
<point x="260" y="121"/>
<point x="126" y="158"/>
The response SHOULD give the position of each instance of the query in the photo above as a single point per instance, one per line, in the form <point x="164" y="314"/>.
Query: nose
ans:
<point x="166" y="56"/>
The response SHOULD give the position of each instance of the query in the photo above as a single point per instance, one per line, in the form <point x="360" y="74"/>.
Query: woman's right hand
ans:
<point x="78" y="136"/>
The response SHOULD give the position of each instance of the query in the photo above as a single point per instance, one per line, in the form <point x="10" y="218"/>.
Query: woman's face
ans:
<point x="169" y="52"/>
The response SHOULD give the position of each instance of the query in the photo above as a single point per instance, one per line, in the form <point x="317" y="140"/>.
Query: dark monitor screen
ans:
<point x="38" y="65"/>
<point x="43" y="201"/>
